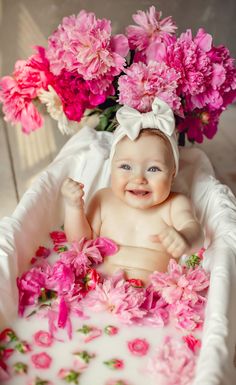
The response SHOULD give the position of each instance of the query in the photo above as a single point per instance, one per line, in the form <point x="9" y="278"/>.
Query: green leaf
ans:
<point x="103" y="122"/>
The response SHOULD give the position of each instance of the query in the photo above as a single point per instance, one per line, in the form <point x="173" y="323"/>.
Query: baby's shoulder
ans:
<point x="103" y="194"/>
<point x="179" y="200"/>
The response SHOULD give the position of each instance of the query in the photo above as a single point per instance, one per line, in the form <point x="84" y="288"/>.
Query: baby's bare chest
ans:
<point x="133" y="227"/>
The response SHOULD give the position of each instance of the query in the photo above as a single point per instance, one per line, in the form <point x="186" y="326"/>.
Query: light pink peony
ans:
<point x="117" y="296"/>
<point x="19" y="90"/>
<point x="180" y="283"/>
<point x="186" y="316"/>
<point x="84" y="44"/>
<point x="150" y="29"/>
<point x="142" y="83"/>
<point x="81" y="255"/>
<point x="173" y="364"/>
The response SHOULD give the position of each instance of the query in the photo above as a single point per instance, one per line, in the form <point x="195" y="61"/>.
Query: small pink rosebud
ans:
<point x="20" y="368"/>
<point x="136" y="282"/>
<point x="115" y="364"/>
<point x="91" y="279"/>
<point x="8" y="335"/>
<point x="42" y="252"/>
<point x="58" y="237"/>
<point x="111" y="330"/>
<point x="69" y="375"/>
<point x="23" y="347"/>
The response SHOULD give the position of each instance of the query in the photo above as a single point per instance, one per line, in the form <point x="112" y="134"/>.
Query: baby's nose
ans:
<point x="140" y="178"/>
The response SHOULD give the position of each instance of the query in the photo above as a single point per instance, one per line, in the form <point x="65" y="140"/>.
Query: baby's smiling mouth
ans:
<point x="139" y="193"/>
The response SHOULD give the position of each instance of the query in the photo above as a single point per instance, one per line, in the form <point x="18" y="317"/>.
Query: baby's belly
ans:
<point x="137" y="262"/>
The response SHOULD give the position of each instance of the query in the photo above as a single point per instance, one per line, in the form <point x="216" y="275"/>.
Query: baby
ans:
<point x="138" y="211"/>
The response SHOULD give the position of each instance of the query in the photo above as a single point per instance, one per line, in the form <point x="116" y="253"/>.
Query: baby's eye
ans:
<point x="125" y="166"/>
<point x="154" y="169"/>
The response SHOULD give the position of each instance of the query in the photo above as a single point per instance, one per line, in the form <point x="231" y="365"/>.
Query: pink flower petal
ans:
<point x="138" y="347"/>
<point x="43" y="338"/>
<point x="41" y="360"/>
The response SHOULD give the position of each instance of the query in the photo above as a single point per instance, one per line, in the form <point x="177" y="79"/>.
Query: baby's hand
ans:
<point x="172" y="241"/>
<point x="73" y="192"/>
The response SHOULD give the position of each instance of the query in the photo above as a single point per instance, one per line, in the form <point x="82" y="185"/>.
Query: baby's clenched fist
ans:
<point x="73" y="192"/>
<point x="172" y="241"/>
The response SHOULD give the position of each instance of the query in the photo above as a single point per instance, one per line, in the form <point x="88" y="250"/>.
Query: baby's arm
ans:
<point x="76" y="224"/>
<point x="186" y="235"/>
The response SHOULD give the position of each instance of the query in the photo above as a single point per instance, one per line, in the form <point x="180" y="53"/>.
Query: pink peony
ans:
<point x="81" y="255"/>
<point x="142" y="83"/>
<point x="61" y="278"/>
<point x="84" y="44"/>
<point x="180" y="283"/>
<point x="149" y="30"/>
<point x="173" y="364"/>
<point x="30" y="285"/>
<point x="186" y="316"/>
<point x="118" y="297"/>
<point x="18" y="92"/>
<point x="156" y="309"/>
<point x="188" y="56"/>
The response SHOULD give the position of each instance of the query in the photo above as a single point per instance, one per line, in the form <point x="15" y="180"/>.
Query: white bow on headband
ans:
<point x="131" y="122"/>
<point x="161" y="117"/>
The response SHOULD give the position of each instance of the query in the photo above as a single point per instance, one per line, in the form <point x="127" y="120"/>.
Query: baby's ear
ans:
<point x="173" y="174"/>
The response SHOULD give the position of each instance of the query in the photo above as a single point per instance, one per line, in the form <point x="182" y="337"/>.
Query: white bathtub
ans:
<point x="85" y="158"/>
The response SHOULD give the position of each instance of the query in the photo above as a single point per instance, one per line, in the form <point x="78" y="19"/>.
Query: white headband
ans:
<point x="131" y="122"/>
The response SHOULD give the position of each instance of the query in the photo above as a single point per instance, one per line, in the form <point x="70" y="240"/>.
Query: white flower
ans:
<point x="55" y="110"/>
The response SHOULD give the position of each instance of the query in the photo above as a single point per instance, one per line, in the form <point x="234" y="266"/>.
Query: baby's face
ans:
<point x="142" y="171"/>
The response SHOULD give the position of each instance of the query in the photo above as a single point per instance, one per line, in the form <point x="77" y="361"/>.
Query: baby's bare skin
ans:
<point x="139" y="212"/>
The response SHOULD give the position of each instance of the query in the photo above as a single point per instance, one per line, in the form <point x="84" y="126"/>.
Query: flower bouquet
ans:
<point x="85" y="70"/>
